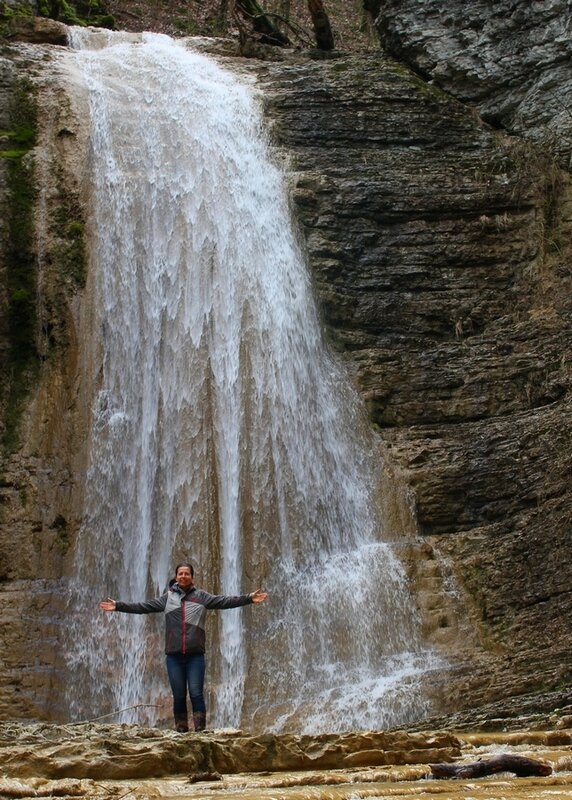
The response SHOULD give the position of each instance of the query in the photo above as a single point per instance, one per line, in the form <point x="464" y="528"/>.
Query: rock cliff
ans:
<point x="44" y="408"/>
<point x="510" y="59"/>
<point x="440" y="248"/>
<point x="441" y="252"/>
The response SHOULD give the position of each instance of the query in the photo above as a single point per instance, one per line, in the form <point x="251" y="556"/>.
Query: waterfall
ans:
<point x="224" y="431"/>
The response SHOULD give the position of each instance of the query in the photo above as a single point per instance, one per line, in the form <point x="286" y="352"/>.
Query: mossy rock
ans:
<point x="21" y="362"/>
<point x="79" y="12"/>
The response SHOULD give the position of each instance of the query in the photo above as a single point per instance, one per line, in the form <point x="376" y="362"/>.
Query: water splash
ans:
<point x="223" y="429"/>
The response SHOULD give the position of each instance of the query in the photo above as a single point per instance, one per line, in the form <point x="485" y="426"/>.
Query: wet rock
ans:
<point x="39" y="518"/>
<point x="564" y="764"/>
<point x="38" y="787"/>
<point x="536" y="714"/>
<point x="335" y="783"/>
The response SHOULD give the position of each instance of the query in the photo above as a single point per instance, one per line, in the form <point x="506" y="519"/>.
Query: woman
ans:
<point x="185" y="609"/>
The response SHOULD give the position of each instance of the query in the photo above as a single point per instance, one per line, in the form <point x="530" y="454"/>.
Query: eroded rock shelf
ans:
<point x="96" y="761"/>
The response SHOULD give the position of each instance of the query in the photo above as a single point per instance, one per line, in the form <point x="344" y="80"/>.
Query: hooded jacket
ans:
<point x="185" y="614"/>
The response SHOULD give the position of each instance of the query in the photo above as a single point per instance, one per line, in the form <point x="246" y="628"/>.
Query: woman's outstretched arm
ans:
<point x="148" y="607"/>
<point x="230" y="601"/>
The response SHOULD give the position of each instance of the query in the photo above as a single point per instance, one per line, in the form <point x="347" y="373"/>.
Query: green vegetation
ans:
<point x="78" y="12"/>
<point x="8" y="13"/>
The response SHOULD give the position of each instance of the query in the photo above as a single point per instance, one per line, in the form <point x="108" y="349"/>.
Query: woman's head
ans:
<point x="185" y="566"/>
<point x="184" y="574"/>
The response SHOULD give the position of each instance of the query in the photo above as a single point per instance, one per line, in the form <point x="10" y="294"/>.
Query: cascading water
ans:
<point x="223" y="429"/>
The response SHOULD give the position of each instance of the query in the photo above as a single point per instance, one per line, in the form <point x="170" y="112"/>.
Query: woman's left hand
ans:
<point x="258" y="596"/>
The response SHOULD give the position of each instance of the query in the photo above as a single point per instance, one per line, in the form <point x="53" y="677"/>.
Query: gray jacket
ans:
<point x="185" y="615"/>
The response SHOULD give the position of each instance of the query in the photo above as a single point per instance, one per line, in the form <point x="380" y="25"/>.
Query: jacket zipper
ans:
<point x="184" y="627"/>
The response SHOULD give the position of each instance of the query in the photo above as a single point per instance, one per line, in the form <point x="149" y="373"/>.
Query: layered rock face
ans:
<point x="44" y="411"/>
<point x="441" y="255"/>
<point x="99" y="761"/>
<point x="511" y="58"/>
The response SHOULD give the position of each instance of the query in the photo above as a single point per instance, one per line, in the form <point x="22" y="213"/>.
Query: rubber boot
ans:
<point x="199" y="720"/>
<point x="181" y="724"/>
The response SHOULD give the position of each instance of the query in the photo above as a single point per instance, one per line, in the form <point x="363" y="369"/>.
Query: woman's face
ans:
<point x="184" y="577"/>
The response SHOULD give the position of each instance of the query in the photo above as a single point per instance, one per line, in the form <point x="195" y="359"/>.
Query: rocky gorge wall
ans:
<point x="440" y="249"/>
<point x="43" y="401"/>
<point x="509" y="59"/>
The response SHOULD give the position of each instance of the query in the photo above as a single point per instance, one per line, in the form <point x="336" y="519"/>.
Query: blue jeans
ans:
<point x="187" y="671"/>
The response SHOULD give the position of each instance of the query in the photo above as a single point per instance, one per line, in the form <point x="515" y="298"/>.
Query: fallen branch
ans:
<point x="204" y="777"/>
<point x="113" y="714"/>
<point x="521" y="766"/>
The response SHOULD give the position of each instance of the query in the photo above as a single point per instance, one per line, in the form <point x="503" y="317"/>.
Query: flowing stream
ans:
<point x="223" y="429"/>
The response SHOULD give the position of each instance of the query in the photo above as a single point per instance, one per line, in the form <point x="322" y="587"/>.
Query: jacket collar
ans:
<point x="176" y="588"/>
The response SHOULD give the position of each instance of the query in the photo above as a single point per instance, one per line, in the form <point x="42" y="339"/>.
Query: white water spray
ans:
<point x="223" y="430"/>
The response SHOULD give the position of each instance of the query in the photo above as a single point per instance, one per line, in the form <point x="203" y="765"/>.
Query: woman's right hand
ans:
<point x="108" y="604"/>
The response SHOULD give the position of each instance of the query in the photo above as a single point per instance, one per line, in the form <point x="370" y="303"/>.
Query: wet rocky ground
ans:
<point x="131" y="763"/>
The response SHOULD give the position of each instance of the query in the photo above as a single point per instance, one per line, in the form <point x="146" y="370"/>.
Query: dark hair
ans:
<point x="185" y="564"/>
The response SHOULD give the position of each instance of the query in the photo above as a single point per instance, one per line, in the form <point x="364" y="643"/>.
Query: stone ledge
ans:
<point x="126" y="751"/>
<point x="38" y="30"/>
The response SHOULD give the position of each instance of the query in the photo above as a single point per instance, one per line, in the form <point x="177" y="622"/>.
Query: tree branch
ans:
<point x="262" y="23"/>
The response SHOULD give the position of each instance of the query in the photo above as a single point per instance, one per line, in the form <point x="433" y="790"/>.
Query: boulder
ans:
<point x="38" y="30"/>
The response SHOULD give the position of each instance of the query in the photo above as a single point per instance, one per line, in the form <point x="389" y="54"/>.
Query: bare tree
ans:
<point x="263" y="23"/>
<point x="322" y="29"/>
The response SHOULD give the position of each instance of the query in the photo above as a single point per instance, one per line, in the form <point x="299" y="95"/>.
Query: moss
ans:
<point x="79" y="12"/>
<point x="422" y="85"/>
<point x="62" y="538"/>
<point x="24" y="135"/>
<point x="341" y="66"/>
<point x="21" y="363"/>
<point x="12" y="153"/>
<point x="8" y="13"/>
<point x="68" y="230"/>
